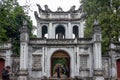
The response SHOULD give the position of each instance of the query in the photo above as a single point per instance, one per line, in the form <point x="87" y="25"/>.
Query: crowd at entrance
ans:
<point x="60" y="71"/>
<point x="60" y="65"/>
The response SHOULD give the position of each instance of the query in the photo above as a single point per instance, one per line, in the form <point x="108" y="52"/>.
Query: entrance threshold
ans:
<point x="61" y="79"/>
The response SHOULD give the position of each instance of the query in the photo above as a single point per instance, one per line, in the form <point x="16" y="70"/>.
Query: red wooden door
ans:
<point x="2" y="62"/>
<point x="118" y="68"/>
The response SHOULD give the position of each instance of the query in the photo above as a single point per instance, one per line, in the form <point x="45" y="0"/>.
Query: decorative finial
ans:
<point x="96" y="22"/>
<point x="25" y="22"/>
<point x="47" y="8"/>
<point x="72" y="9"/>
<point x="36" y="14"/>
<point x="97" y="28"/>
<point x="59" y="9"/>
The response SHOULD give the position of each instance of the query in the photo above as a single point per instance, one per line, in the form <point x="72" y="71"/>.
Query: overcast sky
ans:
<point x="52" y="4"/>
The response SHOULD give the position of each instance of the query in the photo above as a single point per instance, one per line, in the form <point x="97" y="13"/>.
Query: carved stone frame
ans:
<point x="37" y="63"/>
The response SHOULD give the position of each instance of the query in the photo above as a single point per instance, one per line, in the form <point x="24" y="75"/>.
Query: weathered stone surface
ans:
<point x="37" y="62"/>
<point x="98" y="72"/>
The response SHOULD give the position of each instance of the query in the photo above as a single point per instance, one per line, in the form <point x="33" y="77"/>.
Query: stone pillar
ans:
<point x="70" y="36"/>
<point x="8" y="58"/>
<point x="81" y="30"/>
<point x="24" y="38"/>
<point x="98" y="73"/>
<point x="113" y="70"/>
<point x="39" y="30"/>
<point x="50" y="32"/>
<point x="8" y="53"/>
<point x="77" y="61"/>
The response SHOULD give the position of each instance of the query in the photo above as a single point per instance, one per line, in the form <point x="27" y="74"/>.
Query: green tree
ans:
<point x="108" y="14"/>
<point x="11" y="20"/>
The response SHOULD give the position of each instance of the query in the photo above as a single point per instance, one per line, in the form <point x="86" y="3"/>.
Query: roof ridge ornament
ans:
<point x="59" y="9"/>
<point x="72" y="9"/>
<point x="39" y="7"/>
<point x="96" y="22"/>
<point x="47" y="8"/>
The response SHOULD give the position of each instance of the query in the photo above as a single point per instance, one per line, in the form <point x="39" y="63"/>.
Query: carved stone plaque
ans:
<point x="37" y="62"/>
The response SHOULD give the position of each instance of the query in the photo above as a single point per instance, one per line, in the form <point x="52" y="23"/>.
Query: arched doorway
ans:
<point x="60" y="32"/>
<point x="60" y="59"/>
<point x="2" y="63"/>
<point x="118" y="68"/>
<point x="44" y="31"/>
<point x="75" y="31"/>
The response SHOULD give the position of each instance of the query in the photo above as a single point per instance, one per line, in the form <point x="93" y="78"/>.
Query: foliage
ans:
<point x="108" y="14"/>
<point x="11" y="20"/>
<point x="61" y="61"/>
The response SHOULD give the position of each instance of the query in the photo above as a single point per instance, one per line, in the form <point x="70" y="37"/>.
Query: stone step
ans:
<point x="53" y="79"/>
<point x="60" y="79"/>
<point x="63" y="79"/>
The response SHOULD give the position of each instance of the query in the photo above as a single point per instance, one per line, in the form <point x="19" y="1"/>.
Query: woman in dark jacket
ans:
<point x="5" y="73"/>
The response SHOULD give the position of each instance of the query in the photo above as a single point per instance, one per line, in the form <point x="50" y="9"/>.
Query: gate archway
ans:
<point x="118" y="68"/>
<point x="2" y="63"/>
<point x="60" y="59"/>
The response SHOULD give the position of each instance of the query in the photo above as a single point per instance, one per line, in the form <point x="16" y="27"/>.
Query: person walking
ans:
<point x="6" y="73"/>
<point x="58" y="71"/>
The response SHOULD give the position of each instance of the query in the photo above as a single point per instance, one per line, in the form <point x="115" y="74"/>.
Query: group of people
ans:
<point x="59" y="71"/>
<point x="6" y="73"/>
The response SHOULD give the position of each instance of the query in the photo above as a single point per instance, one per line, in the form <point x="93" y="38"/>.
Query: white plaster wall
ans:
<point x="78" y="61"/>
<point x="30" y="63"/>
<point x="50" y="30"/>
<point x="8" y="60"/>
<point x="68" y="29"/>
<point x="6" y="55"/>
<point x="81" y="29"/>
<point x="90" y="63"/>
<point x="46" y="55"/>
<point x="89" y="60"/>
<point x="39" y="31"/>
<point x="36" y="74"/>
<point x="97" y="56"/>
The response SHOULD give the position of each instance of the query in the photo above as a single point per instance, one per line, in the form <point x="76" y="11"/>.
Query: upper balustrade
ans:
<point x="60" y="41"/>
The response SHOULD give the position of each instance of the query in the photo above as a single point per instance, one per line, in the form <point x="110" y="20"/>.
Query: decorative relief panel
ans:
<point x="37" y="62"/>
<point x="84" y="73"/>
<point x="98" y="38"/>
<point x="105" y="63"/>
<point x="84" y="61"/>
<point x="22" y="37"/>
<point x="59" y="16"/>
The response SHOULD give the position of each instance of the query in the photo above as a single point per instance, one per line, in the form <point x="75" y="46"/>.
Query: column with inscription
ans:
<point x="24" y="38"/>
<point x="98" y="72"/>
